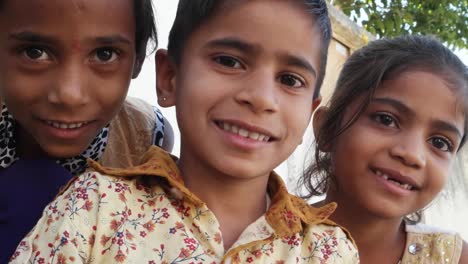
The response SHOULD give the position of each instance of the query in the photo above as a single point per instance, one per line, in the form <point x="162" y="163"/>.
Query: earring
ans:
<point x="164" y="98"/>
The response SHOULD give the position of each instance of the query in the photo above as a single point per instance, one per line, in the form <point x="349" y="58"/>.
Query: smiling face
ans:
<point x="65" y="68"/>
<point x="244" y="87"/>
<point x="396" y="157"/>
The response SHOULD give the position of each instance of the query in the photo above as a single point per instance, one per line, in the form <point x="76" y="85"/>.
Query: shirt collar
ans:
<point x="287" y="213"/>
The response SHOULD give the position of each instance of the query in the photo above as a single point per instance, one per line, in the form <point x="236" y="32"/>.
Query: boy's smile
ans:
<point x="65" y="69"/>
<point x="244" y="88"/>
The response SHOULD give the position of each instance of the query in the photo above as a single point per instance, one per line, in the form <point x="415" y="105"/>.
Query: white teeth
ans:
<point x="244" y="133"/>
<point x="254" y="135"/>
<point x="385" y="177"/>
<point x="65" y="126"/>
<point x="406" y="186"/>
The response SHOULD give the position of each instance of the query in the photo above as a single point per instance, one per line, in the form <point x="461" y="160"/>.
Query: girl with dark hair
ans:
<point x="385" y="145"/>
<point x="65" y="68"/>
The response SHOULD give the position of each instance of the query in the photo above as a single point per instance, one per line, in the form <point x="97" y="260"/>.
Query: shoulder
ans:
<point x="331" y="242"/>
<point x="136" y="110"/>
<point x="428" y="229"/>
<point x="434" y="243"/>
<point x="145" y="122"/>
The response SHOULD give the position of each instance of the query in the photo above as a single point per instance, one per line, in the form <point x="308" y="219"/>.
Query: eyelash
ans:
<point x="292" y="76"/>
<point x="446" y="141"/>
<point x="115" y="53"/>
<point x="227" y="58"/>
<point x="224" y="58"/>
<point x="377" y="117"/>
<point x="23" y="51"/>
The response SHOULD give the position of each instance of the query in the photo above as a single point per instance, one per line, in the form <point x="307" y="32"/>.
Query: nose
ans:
<point x="410" y="150"/>
<point x="259" y="93"/>
<point x="69" y="87"/>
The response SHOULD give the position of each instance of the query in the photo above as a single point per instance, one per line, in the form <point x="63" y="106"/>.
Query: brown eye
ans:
<point x="36" y="53"/>
<point x="228" y="61"/>
<point x="105" y="55"/>
<point x="385" y="119"/>
<point x="291" y="80"/>
<point x="441" y="144"/>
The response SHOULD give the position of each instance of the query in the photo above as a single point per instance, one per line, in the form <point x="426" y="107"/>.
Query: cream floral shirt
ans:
<point x="145" y="214"/>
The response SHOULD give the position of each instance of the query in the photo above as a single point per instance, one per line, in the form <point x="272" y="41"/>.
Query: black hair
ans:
<point x="192" y="13"/>
<point x="362" y="74"/>
<point x="145" y="26"/>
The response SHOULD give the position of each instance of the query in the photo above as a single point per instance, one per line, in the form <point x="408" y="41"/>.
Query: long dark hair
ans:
<point x="361" y="75"/>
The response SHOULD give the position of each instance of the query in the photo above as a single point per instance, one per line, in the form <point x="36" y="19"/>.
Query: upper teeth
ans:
<point x="387" y="178"/>
<point x="244" y="133"/>
<point x="65" y="126"/>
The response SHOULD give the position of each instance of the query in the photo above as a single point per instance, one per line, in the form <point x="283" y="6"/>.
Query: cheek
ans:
<point x="441" y="173"/>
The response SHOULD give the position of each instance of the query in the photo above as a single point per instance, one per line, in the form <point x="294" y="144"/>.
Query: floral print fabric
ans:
<point x="120" y="216"/>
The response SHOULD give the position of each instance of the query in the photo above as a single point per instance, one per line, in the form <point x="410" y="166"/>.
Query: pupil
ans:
<point x="227" y="61"/>
<point x="104" y="54"/>
<point x="288" y="80"/>
<point x="387" y="120"/>
<point x="34" y="53"/>
<point x="438" y="143"/>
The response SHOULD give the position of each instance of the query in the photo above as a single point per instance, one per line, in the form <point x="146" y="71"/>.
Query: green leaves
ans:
<point x="446" y="19"/>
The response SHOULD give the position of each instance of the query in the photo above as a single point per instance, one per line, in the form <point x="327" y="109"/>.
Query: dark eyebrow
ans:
<point x="395" y="104"/>
<point x="300" y="62"/>
<point x="29" y="36"/>
<point x="442" y="125"/>
<point x="439" y="124"/>
<point x="32" y="37"/>
<point x="233" y="43"/>
<point x="114" y="39"/>
<point x="240" y="45"/>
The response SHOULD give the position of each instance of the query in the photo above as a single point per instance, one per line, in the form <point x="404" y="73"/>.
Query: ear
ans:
<point x="317" y="123"/>
<point x="316" y="102"/>
<point x="165" y="79"/>
<point x="137" y="66"/>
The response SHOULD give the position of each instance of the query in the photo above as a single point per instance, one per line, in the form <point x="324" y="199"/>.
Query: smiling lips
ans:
<point x="61" y="125"/>
<point x="398" y="183"/>
<point x="243" y="132"/>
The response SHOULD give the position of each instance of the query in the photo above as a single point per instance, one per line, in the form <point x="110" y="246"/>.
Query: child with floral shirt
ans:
<point x="244" y="77"/>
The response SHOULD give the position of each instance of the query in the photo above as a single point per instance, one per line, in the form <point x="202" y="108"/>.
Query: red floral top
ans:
<point x="119" y="216"/>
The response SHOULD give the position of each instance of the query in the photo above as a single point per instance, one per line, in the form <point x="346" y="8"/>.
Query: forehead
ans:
<point x="72" y="16"/>
<point x="427" y="94"/>
<point x="272" y="25"/>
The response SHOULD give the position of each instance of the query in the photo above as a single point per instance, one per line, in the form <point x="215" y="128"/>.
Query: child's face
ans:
<point x="396" y="157"/>
<point x="65" y="67"/>
<point x="244" y="87"/>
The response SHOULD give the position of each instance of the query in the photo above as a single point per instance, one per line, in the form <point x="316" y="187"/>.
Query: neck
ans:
<point x="236" y="202"/>
<point x="379" y="240"/>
